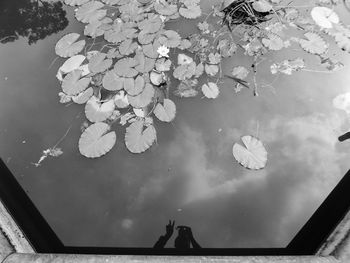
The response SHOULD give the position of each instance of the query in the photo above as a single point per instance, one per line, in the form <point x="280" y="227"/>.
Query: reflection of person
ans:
<point x="184" y="240"/>
<point x="169" y="230"/>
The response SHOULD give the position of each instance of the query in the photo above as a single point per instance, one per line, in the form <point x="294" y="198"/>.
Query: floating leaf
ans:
<point x="288" y="66"/>
<point x="127" y="47"/>
<point x="240" y="72"/>
<point x="121" y="100"/>
<point x="134" y="86"/>
<point x="97" y="111"/>
<point x="156" y="78"/>
<point x="114" y="34"/>
<point x="183" y="59"/>
<point x="145" y="64"/>
<point x="70" y="65"/>
<point x="170" y="38"/>
<point x="150" y="50"/>
<point x="96" y="140"/>
<point x="72" y="84"/>
<point x="214" y="58"/>
<point x="253" y="155"/>
<point x="111" y="81"/>
<point x="210" y="90"/>
<point x="211" y="70"/>
<point x="184" y="72"/>
<point x="185" y="90"/>
<point x="273" y="42"/>
<point x="314" y="43"/>
<point x="84" y="96"/>
<point x="165" y="112"/>
<point x="90" y="12"/>
<point x="97" y="28"/>
<point x="324" y="16"/>
<point x="192" y="12"/>
<point x="75" y="2"/>
<point x="144" y="98"/>
<point x="138" y="139"/>
<point x="163" y="64"/>
<point x="67" y="47"/>
<point x="125" y="67"/>
<point x="98" y="63"/>
<point x="262" y="6"/>
<point x="165" y="9"/>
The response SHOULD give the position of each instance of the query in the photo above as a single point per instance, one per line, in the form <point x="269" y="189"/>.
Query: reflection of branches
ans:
<point x="33" y="20"/>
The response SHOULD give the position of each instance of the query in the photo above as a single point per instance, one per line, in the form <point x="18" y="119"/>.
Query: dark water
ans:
<point x="190" y="176"/>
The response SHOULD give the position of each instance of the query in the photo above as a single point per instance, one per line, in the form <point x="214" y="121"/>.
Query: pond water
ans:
<point x="190" y="175"/>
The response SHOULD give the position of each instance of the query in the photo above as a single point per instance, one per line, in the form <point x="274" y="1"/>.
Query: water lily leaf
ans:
<point x="214" y="58"/>
<point x="156" y="78"/>
<point x="96" y="140"/>
<point x="144" y="98"/>
<point x="183" y="59"/>
<point x="97" y="111"/>
<point x="185" y="90"/>
<point x="211" y="70"/>
<point x="191" y="12"/>
<point x="150" y="26"/>
<point x="273" y="42"/>
<point x="96" y="28"/>
<point x="210" y="90"/>
<point x="314" y="43"/>
<point x="98" y="63"/>
<point x="288" y="66"/>
<point x="121" y="100"/>
<point x="150" y="50"/>
<point x="253" y="155"/>
<point x="145" y="64"/>
<point x="114" y="34"/>
<point x="90" y="12"/>
<point x="125" y="67"/>
<point x="170" y="38"/>
<point x="67" y="45"/>
<point x="184" y="72"/>
<point x="145" y="38"/>
<point x="165" y="112"/>
<point x="324" y="16"/>
<point x="115" y="2"/>
<point x="64" y="98"/>
<point x="262" y="6"/>
<point x="185" y="44"/>
<point x="127" y="47"/>
<point x="134" y="86"/>
<point x="75" y="2"/>
<point x="165" y="9"/>
<point x="84" y="96"/>
<point x="70" y="65"/>
<point x="137" y="138"/>
<point x="163" y="64"/>
<point x="72" y="84"/>
<point x="240" y="72"/>
<point x="111" y="81"/>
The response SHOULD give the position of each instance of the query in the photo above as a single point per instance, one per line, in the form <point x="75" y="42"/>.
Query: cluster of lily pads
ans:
<point x="127" y="78"/>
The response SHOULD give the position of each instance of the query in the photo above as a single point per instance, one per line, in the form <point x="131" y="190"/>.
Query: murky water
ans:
<point x="190" y="176"/>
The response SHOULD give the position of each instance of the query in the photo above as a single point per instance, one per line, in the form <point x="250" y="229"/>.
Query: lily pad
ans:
<point x="84" y="96"/>
<point x="144" y="98"/>
<point x="70" y="65"/>
<point x="134" y="86"/>
<point x="97" y="111"/>
<point x="67" y="45"/>
<point x="253" y="155"/>
<point x="72" y="84"/>
<point x="165" y="112"/>
<point x="90" y="12"/>
<point x="96" y="140"/>
<point x="111" y="81"/>
<point x="210" y="90"/>
<point x="98" y="63"/>
<point x="125" y="67"/>
<point x="139" y="138"/>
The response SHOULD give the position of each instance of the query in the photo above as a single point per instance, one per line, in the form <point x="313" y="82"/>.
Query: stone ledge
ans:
<point x="62" y="258"/>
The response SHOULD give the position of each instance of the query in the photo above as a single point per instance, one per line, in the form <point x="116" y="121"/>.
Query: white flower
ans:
<point x="163" y="51"/>
<point x="163" y="18"/>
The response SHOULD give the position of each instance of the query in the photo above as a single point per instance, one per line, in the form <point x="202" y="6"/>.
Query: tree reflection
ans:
<point x="33" y="20"/>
